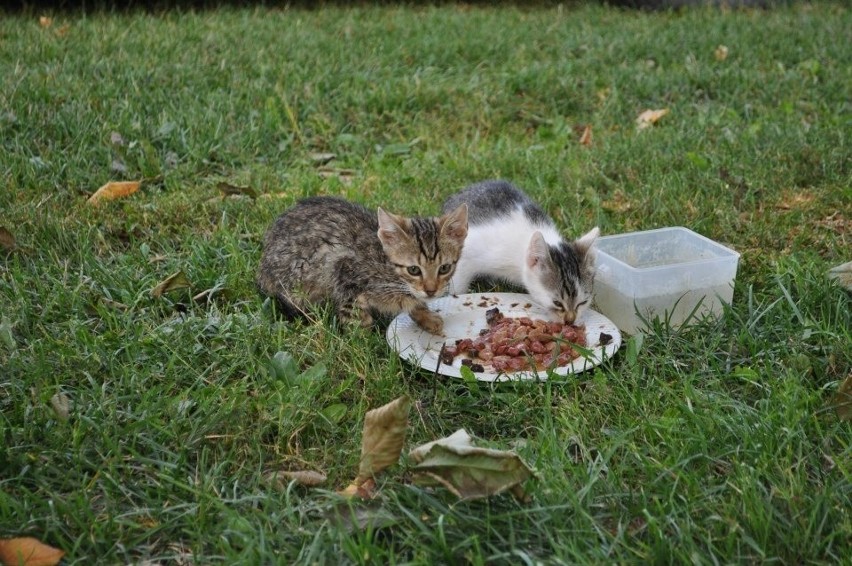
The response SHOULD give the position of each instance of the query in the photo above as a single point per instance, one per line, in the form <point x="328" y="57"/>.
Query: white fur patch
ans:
<point x="498" y="249"/>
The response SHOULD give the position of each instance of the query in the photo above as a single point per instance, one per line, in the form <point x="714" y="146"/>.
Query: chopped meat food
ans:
<point x="517" y="344"/>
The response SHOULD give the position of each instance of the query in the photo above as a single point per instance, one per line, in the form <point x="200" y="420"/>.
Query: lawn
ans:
<point x="140" y="428"/>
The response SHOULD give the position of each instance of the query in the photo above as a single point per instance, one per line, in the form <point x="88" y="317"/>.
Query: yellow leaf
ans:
<point x="114" y="190"/>
<point x="28" y="551"/>
<point x="45" y="21"/>
<point x="384" y="435"/>
<point x="650" y="117"/>
<point x="721" y="53"/>
<point x="171" y="283"/>
<point x="7" y="240"/>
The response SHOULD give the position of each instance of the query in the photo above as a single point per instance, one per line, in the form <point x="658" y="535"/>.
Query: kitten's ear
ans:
<point x="537" y="251"/>
<point x="584" y="244"/>
<point x="392" y="229"/>
<point x="454" y="224"/>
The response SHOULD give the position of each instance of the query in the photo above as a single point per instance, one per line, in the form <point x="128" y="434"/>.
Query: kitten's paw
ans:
<point x="428" y="321"/>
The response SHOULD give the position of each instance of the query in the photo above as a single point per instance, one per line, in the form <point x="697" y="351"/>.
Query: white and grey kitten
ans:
<point x="511" y="238"/>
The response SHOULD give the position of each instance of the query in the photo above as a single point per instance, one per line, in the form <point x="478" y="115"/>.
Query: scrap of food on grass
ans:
<point x="517" y="344"/>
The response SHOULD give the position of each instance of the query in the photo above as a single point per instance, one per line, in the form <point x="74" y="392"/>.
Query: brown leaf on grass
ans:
<point x="61" y="406"/>
<point x="45" y="21"/>
<point x="306" y="478"/>
<point x="7" y="240"/>
<point x="28" y="551"/>
<point x="228" y="189"/>
<point x="721" y="53"/>
<point x="364" y="490"/>
<point x="650" y="117"/>
<point x="114" y="190"/>
<point x="383" y="437"/>
<point x="171" y="283"/>
<point x="468" y="471"/>
<point x="63" y="30"/>
<point x="586" y="136"/>
<point x="843" y="399"/>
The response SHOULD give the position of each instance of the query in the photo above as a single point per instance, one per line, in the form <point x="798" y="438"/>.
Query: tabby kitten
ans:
<point x="330" y="249"/>
<point x="511" y="238"/>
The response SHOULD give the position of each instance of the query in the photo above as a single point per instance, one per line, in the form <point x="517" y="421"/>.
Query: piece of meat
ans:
<point x="516" y="344"/>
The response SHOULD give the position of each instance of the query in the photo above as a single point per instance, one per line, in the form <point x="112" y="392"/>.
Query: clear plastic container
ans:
<point x="666" y="273"/>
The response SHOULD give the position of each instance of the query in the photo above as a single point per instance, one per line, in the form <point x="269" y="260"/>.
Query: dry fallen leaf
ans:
<point x="7" y="240"/>
<point x="843" y="399"/>
<point x="586" y="136"/>
<point x="28" y="551"/>
<point x="650" y="117"/>
<point x="61" y="405"/>
<point x="45" y="21"/>
<point x="306" y="478"/>
<point x="467" y="471"/>
<point x="381" y="445"/>
<point x="365" y="490"/>
<point x="114" y="190"/>
<point x="721" y="53"/>
<point x="383" y="437"/>
<point x="171" y="283"/>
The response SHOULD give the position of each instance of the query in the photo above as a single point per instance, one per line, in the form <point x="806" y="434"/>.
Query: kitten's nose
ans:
<point x="568" y="317"/>
<point x="429" y="292"/>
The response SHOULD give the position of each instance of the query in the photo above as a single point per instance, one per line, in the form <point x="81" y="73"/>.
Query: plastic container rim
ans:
<point x="727" y="253"/>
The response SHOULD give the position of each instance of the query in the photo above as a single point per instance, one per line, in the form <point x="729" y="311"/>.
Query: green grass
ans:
<point x="716" y="444"/>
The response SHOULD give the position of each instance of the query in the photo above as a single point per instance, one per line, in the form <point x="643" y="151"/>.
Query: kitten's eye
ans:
<point x="559" y="305"/>
<point x="444" y="269"/>
<point x="581" y="303"/>
<point x="413" y="270"/>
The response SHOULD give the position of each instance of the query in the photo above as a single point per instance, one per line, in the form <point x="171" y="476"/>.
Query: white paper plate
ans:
<point x="464" y="316"/>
